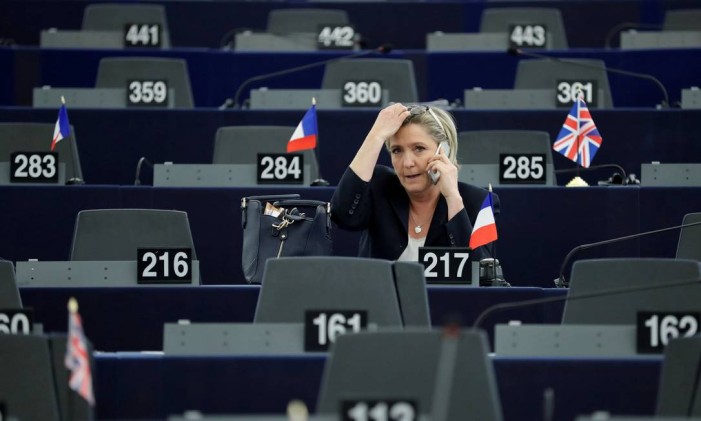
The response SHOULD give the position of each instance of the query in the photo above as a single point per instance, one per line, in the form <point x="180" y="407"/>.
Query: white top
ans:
<point x="411" y="252"/>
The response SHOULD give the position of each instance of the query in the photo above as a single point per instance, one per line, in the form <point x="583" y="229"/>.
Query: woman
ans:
<point x="401" y="210"/>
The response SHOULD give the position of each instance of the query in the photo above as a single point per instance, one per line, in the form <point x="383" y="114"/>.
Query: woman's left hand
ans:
<point x="448" y="181"/>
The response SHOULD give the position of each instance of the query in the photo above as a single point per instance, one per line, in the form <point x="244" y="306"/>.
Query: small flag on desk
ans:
<point x="485" y="229"/>
<point x="77" y="358"/>
<point x="304" y="136"/>
<point x="579" y="139"/>
<point x="63" y="127"/>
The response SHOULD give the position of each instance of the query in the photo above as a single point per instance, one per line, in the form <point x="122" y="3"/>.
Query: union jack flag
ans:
<point x="579" y="139"/>
<point x="77" y="359"/>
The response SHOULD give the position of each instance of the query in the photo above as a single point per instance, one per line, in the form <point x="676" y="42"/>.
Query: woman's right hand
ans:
<point x="388" y="121"/>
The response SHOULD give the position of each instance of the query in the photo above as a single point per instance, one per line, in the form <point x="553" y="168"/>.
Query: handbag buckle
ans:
<point x="283" y="224"/>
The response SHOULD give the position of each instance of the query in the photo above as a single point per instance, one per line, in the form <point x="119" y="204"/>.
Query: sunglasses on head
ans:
<point x="415" y="110"/>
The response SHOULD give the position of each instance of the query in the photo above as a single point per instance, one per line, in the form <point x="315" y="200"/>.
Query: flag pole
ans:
<point x="318" y="137"/>
<point x="319" y="181"/>
<point x="578" y="181"/>
<point x="72" y="309"/>
<point x="494" y="243"/>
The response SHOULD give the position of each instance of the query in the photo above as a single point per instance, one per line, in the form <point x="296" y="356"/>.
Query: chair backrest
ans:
<point x="27" y="382"/>
<point x="36" y="137"/>
<point x="9" y="294"/>
<point x="451" y="379"/>
<point x="286" y="21"/>
<point x="116" y="234"/>
<point x="242" y="144"/>
<point x="500" y="19"/>
<point x="395" y="75"/>
<point x="689" y="246"/>
<point x="339" y="283"/>
<point x="486" y="146"/>
<point x="679" y="385"/>
<point x="114" y="17"/>
<point x="544" y="74"/>
<point x="115" y="72"/>
<point x="410" y="282"/>
<point x="682" y="20"/>
<point x="591" y="276"/>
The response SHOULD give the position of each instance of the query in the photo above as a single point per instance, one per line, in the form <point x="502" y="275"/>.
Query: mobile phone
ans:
<point x="435" y="175"/>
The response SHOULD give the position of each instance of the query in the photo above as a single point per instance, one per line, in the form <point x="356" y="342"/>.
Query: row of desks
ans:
<point x="22" y="21"/>
<point x="110" y="142"/>
<point x="216" y="75"/>
<point x="136" y="385"/>
<point x="132" y="318"/>
<point x="537" y="226"/>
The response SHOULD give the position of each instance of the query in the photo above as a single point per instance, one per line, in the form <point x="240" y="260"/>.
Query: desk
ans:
<point x="131" y="319"/>
<point x="154" y="386"/>
<point x="536" y="228"/>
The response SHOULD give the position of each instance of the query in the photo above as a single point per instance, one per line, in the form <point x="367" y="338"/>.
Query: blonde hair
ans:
<point x="439" y="124"/>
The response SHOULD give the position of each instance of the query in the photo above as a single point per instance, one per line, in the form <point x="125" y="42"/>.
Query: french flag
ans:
<point x="63" y="128"/>
<point x="485" y="229"/>
<point x="304" y="136"/>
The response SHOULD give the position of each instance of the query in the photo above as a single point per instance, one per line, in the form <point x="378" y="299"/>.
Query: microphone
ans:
<point x="75" y="181"/>
<point x="234" y="103"/>
<point x="665" y="102"/>
<point x="622" y="174"/>
<point x="137" y="177"/>
<point x="561" y="282"/>
<point x="571" y="297"/>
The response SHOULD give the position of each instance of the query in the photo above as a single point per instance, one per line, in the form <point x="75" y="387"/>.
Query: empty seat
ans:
<point x="287" y="21"/>
<point x="27" y="382"/>
<point x="116" y="72"/>
<point x="114" y="17"/>
<point x="682" y="20"/>
<point x="449" y="378"/>
<point x="500" y="20"/>
<point x="9" y="294"/>
<point x="242" y="144"/>
<point x="397" y="76"/>
<point x="116" y="234"/>
<point x="484" y="147"/>
<point x="544" y="74"/>
<point x="36" y="137"/>
<point x="689" y="246"/>
<point x="391" y="296"/>
<point x="679" y="385"/>
<point x="592" y="276"/>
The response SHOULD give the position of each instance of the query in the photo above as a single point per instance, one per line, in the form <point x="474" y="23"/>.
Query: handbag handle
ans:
<point x="310" y="203"/>
<point x="276" y="197"/>
<point x="269" y="197"/>
<point x="300" y="202"/>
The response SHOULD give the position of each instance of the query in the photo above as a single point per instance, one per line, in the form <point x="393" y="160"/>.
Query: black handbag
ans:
<point x="303" y="228"/>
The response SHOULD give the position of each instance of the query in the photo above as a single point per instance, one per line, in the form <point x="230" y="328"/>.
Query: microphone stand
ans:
<point x="137" y="178"/>
<point x="665" y="102"/>
<point x="603" y="293"/>
<point x="561" y="282"/>
<point x="624" y="176"/>
<point x="234" y="103"/>
<point x="626" y="25"/>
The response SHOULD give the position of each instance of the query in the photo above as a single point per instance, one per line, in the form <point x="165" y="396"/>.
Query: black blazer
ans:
<point x="381" y="209"/>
